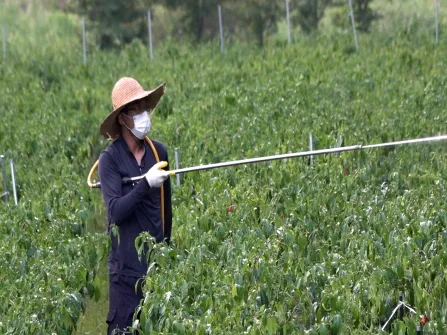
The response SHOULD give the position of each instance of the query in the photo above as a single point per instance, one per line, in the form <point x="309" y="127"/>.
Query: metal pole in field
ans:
<point x="5" y="183"/>
<point x="149" y="27"/>
<point x="4" y="41"/>
<point x="219" y="10"/>
<point x="353" y="25"/>
<point x="289" y="39"/>
<point x="177" y="164"/>
<point x="13" y="182"/>
<point x="311" y="147"/>
<point x="437" y="20"/>
<point x="84" y="44"/>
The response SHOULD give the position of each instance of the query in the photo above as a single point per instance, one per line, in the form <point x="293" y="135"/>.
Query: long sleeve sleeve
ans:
<point x="119" y="207"/>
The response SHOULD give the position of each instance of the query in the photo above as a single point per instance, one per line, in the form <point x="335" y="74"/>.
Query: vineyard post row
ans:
<point x="289" y="38"/>
<point x="221" y="32"/>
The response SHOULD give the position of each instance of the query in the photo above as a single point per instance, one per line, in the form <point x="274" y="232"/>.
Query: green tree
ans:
<point x="309" y="13"/>
<point x="363" y="13"/>
<point x="199" y="16"/>
<point x="261" y="17"/>
<point x="116" y="22"/>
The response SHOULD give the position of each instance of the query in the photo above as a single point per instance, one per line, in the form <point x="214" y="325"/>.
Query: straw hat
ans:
<point x="127" y="90"/>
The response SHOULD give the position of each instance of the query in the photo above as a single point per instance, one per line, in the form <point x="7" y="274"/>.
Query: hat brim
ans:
<point x="111" y="129"/>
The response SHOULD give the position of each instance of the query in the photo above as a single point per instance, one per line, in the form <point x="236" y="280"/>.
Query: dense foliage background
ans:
<point x="277" y="248"/>
<point x="117" y="22"/>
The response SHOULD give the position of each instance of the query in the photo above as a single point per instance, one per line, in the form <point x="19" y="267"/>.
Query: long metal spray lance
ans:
<point x="291" y="155"/>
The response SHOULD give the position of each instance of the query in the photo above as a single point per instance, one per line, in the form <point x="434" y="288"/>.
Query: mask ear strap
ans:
<point x="125" y="125"/>
<point x="128" y="116"/>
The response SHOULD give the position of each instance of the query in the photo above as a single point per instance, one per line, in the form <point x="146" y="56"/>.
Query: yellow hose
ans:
<point x="90" y="175"/>
<point x="157" y="159"/>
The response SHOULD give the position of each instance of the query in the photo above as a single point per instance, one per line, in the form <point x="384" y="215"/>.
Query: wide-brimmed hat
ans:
<point x="127" y="90"/>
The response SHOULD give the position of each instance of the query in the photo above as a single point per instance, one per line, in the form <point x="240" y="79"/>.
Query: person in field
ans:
<point x="141" y="206"/>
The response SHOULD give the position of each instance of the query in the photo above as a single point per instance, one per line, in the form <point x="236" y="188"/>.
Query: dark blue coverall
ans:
<point x="134" y="208"/>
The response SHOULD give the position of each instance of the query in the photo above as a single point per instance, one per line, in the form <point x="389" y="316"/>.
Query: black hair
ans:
<point x="125" y="110"/>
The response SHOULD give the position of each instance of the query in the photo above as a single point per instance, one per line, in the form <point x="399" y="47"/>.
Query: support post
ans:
<point x="177" y="164"/>
<point x="351" y="10"/>
<point x="289" y="38"/>
<point x="13" y="177"/>
<point x="219" y="10"/>
<point x="84" y="42"/>
<point x="149" y="27"/>
<point x="311" y="148"/>
<point x="437" y="20"/>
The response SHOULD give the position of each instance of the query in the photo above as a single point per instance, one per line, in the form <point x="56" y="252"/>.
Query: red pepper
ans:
<point x="424" y="320"/>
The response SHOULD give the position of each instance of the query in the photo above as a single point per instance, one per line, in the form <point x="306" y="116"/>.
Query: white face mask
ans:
<point x="142" y="125"/>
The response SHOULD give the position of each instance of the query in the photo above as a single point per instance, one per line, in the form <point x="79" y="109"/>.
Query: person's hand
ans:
<point x="156" y="176"/>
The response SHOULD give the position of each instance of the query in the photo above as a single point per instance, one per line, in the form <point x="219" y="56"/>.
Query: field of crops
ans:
<point x="286" y="247"/>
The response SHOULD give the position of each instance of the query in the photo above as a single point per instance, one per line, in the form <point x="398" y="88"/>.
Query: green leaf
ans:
<point x="179" y="328"/>
<point x="271" y="325"/>
<point x="336" y="324"/>
<point x="323" y="330"/>
<point x="234" y="291"/>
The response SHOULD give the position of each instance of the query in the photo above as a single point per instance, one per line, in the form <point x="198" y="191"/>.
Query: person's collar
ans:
<point x="122" y="142"/>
